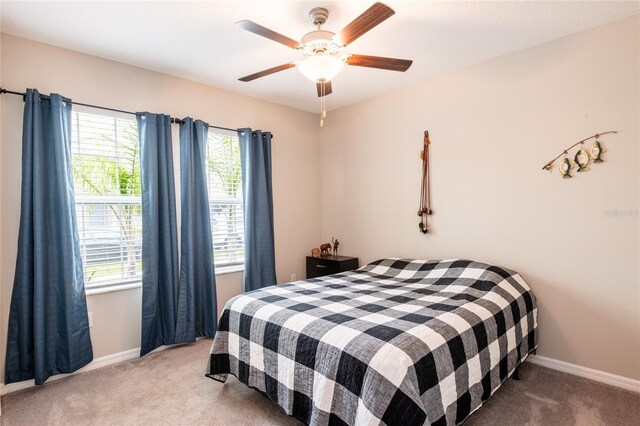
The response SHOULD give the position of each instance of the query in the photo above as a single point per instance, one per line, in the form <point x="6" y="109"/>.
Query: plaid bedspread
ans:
<point x="397" y="342"/>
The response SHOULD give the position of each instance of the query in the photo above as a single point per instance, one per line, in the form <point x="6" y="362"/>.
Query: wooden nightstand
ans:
<point x="319" y="266"/>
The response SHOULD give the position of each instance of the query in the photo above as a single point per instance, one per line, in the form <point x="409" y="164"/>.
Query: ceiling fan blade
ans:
<point x="370" y="18"/>
<point x="392" y="64"/>
<point x="267" y="72"/>
<point x="327" y="88"/>
<point x="266" y="32"/>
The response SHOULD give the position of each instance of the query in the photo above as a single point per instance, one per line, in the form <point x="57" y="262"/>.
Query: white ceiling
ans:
<point x="198" y="40"/>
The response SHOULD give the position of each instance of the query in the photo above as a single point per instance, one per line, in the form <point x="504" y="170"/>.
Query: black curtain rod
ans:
<point x="173" y="120"/>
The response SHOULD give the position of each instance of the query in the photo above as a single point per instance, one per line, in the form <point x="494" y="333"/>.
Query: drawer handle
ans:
<point x="321" y="266"/>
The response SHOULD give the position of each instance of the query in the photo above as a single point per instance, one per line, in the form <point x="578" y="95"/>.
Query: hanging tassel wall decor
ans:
<point x="425" y="192"/>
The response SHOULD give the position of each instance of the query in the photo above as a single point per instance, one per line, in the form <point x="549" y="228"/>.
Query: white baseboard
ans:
<point x="586" y="372"/>
<point x="554" y="364"/>
<point x="93" y="365"/>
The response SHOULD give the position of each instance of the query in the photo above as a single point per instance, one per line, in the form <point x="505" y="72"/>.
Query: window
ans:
<point x="224" y="180"/>
<point x="106" y="168"/>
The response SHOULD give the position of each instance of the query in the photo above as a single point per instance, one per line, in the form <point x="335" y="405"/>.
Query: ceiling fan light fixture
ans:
<point x="321" y="68"/>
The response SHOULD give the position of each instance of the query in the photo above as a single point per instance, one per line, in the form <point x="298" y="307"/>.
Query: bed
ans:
<point x="396" y="342"/>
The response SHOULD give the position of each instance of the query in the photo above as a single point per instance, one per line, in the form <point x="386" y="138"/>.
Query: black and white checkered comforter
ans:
<point x="397" y="342"/>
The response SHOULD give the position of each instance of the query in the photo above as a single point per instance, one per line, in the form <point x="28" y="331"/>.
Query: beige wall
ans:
<point x="99" y="81"/>
<point x="493" y="127"/>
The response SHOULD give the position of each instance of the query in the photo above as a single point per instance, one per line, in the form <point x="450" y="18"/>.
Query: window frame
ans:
<point x="86" y="199"/>
<point x="91" y="290"/>
<point x="235" y="266"/>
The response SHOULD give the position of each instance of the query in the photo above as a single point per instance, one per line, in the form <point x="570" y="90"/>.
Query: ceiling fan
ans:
<point x="322" y="49"/>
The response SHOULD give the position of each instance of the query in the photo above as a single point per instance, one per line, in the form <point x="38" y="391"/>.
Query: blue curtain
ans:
<point x="255" y="153"/>
<point x="197" y="306"/>
<point x="48" y="325"/>
<point x="159" y="233"/>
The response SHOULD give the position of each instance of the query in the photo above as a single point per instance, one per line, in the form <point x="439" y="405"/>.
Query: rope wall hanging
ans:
<point x="425" y="192"/>
<point x="582" y="158"/>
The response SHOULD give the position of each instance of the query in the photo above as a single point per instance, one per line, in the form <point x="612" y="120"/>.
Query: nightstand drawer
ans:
<point x="317" y="268"/>
<point x="320" y="266"/>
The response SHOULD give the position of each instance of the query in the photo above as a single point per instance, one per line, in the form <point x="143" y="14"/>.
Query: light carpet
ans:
<point x="169" y="388"/>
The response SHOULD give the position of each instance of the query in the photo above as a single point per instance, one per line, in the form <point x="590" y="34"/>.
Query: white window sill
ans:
<point x="128" y="286"/>
<point x="116" y="287"/>
<point x="221" y="270"/>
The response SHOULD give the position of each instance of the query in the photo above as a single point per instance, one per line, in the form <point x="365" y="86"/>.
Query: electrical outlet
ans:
<point x="294" y="277"/>
<point x="90" y="319"/>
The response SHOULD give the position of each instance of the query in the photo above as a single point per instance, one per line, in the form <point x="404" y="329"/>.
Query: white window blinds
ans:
<point x="106" y="168"/>
<point x="224" y="177"/>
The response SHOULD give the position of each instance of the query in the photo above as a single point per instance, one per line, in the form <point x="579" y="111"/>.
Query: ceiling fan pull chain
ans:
<point x="324" y="99"/>
<point x="321" y="97"/>
<point x="322" y="113"/>
<point x="323" y="102"/>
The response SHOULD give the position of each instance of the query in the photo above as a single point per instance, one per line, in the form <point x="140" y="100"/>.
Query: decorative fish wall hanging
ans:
<point x="596" y="151"/>
<point x="582" y="158"/>
<point x="565" y="168"/>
